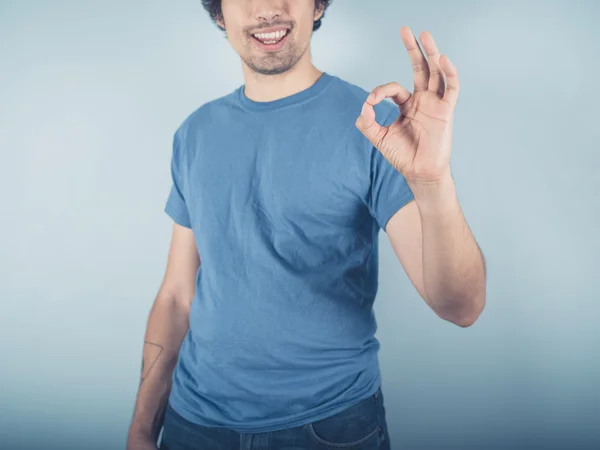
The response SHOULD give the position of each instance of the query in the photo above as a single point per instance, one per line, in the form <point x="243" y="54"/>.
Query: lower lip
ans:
<point x="271" y="47"/>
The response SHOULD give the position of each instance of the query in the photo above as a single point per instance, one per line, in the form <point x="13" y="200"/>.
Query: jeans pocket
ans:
<point x="355" y="427"/>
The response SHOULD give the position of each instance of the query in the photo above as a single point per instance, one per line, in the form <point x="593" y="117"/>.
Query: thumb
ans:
<point x="367" y="124"/>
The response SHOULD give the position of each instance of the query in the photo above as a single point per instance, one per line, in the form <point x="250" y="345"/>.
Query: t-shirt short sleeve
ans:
<point x="176" y="206"/>
<point x="389" y="191"/>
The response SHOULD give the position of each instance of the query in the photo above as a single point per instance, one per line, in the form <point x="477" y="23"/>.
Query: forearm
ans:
<point x="453" y="265"/>
<point x="167" y="325"/>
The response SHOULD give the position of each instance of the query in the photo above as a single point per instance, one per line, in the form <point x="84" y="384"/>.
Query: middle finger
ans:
<point x="417" y="58"/>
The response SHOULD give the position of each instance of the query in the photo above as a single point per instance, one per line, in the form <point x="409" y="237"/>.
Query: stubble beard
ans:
<point x="276" y="64"/>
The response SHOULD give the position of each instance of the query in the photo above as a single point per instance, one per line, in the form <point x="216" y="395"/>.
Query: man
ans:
<point x="262" y="334"/>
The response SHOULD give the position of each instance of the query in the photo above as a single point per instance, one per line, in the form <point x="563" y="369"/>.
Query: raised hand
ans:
<point x="418" y="143"/>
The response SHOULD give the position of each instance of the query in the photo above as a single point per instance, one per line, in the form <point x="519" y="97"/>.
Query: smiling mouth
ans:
<point x="271" y="38"/>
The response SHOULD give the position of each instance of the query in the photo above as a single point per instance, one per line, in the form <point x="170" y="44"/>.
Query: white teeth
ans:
<point x="269" y="37"/>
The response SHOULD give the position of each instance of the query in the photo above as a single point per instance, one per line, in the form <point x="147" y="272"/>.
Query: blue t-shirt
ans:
<point x="285" y="199"/>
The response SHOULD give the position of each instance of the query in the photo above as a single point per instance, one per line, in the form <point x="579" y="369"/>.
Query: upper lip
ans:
<point x="270" y="30"/>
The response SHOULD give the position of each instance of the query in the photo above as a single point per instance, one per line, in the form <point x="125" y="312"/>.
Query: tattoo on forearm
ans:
<point x="152" y="352"/>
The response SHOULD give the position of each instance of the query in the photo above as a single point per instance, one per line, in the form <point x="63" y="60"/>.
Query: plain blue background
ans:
<point x="90" y="95"/>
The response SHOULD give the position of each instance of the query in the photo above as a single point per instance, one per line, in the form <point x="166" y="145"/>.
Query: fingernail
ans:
<point x="362" y="111"/>
<point x="371" y="98"/>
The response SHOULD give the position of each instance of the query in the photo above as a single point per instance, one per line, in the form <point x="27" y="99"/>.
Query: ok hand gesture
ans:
<point x="419" y="142"/>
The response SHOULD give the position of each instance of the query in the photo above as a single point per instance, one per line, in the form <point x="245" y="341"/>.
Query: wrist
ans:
<point x="140" y="440"/>
<point x="139" y="432"/>
<point x="435" y="195"/>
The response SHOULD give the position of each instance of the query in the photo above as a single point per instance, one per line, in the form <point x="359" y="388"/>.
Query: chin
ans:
<point x="271" y="70"/>
<point x="275" y="68"/>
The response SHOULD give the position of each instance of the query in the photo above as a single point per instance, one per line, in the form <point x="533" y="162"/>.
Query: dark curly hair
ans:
<point x="213" y="7"/>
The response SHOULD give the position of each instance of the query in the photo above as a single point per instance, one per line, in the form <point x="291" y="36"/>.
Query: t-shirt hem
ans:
<point x="176" y="214"/>
<point x="272" y="426"/>
<point x="394" y="208"/>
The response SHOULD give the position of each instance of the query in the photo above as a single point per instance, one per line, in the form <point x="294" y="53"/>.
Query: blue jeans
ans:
<point x="359" y="427"/>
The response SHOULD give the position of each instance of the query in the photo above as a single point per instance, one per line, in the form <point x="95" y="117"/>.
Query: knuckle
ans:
<point x="420" y="67"/>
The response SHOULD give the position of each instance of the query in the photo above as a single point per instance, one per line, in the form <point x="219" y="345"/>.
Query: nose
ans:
<point x="267" y="15"/>
<point x="267" y="11"/>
